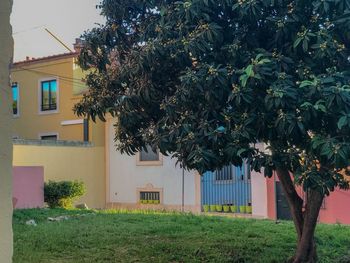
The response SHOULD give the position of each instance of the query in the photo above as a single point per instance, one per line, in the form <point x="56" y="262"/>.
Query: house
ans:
<point x="151" y="181"/>
<point x="49" y="135"/>
<point x="44" y="92"/>
<point x="46" y="131"/>
<point x="50" y="138"/>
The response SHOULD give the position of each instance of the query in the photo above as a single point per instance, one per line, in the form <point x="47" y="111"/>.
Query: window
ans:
<point x="149" y="157"/>
<point x="15" y="99"/>
<point x="225" y="173"/>
<point x="49" y="137"/>
<point x="48" y="91"/>
<point x="149" y="197"/>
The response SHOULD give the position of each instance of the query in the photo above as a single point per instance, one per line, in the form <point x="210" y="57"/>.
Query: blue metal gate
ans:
<point x="229" y="186"/>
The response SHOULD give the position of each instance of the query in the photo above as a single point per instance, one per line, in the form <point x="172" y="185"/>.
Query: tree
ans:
<point x="207" y="80"/>
<point x="6" y="51"/>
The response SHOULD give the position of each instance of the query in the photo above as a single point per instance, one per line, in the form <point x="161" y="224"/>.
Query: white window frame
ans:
<point x="48" y="134"/>
<point x="40" y="96"/>
<point x="18" y="98"/>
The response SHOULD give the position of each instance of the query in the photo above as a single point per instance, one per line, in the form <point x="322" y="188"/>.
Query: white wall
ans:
<point x="125" y="177"/>
<point x="259" y="194"/>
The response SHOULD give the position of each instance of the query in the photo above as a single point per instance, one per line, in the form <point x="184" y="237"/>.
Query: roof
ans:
<point x="30" y="61"/>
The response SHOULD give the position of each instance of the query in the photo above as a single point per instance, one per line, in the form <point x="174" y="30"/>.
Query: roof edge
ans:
<point x="44" y="59"/>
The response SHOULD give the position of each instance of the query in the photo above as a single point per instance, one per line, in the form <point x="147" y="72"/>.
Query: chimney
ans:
<point x="78" y="45"/>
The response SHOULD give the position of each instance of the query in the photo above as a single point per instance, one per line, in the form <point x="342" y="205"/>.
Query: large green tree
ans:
<point x="208" y="80"/>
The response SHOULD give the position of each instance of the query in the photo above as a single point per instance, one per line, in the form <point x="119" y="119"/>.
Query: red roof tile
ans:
<point x="43" y="59"/>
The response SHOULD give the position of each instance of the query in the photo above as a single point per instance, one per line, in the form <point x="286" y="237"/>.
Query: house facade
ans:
<point x="49" y="135"/>
<point x="44" y="91"/>
<point x="148" y="180"/>
<point x="151" y="181"/>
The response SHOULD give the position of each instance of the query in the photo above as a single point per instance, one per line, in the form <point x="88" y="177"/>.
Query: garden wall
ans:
<point x="64" y="160"/>
<point x="28" y="186"/>
<point x="333" y="210"/>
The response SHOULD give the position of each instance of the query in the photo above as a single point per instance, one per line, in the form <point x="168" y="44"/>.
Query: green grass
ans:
<point x="121" y="236"/>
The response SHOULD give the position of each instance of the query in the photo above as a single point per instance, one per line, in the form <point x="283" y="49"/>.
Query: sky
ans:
<point x="67" y="19"/>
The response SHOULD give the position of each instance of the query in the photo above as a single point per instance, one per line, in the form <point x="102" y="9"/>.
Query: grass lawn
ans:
<point x="117" y="236"/>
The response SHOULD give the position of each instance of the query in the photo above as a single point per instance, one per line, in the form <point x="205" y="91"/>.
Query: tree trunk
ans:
<point x="6" y="50"/>
<point x="304" y="221"/>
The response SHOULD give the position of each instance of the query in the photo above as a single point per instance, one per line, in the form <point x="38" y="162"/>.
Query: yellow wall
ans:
<point x="30" y="122"/>
<point x="68" y="163"/>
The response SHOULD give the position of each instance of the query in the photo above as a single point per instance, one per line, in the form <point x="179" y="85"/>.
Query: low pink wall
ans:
<point x="28" y="186"/>
<point x="336" y="208"/>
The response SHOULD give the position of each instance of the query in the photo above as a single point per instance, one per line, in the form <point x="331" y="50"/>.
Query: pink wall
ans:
<point x="28" y="186"/>
<point x="334" y="210"/>
<point x="271" y="198"/>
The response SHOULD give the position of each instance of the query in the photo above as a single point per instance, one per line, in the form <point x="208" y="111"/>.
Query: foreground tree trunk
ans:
<point x="304" y="220"/>
<point x="6" y="50"/>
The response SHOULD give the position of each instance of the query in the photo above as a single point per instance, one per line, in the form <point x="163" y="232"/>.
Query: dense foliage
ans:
<point x="207" y="80"/>
<point x="62" y="194"/>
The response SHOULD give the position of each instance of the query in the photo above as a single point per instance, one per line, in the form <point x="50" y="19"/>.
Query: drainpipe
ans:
<point x="86" y="130"/>
<point x="183" y="190"/>
<point x="275" y="194"/>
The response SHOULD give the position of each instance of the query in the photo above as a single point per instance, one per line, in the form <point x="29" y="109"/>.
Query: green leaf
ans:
<point x="297" y="42"/>
<point x="306" y="83"/>
<point x="343" y="121"/>
<point x="264" y="61"/>
<point x="243" y="79"/>
<point x="249" y="71"/>
<point x="305" y="45"/>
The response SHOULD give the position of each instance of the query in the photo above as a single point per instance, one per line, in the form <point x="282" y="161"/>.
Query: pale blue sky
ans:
<point x="67" y="19"/>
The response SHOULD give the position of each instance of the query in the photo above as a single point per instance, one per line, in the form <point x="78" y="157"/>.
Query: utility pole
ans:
<point x="183" y="189"/>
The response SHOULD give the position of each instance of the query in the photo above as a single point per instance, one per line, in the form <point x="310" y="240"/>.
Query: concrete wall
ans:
<point x="335" y="209"/>
<point x="28" y="186"/>
<point x="271" y="197"/>
<point x="125" y="178"/>
<point x="67" y="161"/>
<point x="6" y="52"/>
<point x="259" y="196"/>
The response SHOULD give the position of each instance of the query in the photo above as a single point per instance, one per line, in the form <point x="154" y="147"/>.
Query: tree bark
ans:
<point x="304" y="221"/>
<point x="306" y="250"/>
<point x="6" y="51"/>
